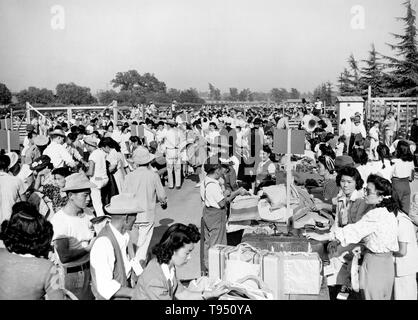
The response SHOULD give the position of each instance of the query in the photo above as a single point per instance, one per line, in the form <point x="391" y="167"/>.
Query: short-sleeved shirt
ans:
<point x="11" y="188"/>
<point x="402" y="169"/>
<point x="211" y="192"/>
<point x="76" y="228"/>
<point x="98" y="156"/>
<point x="408" y="264"/>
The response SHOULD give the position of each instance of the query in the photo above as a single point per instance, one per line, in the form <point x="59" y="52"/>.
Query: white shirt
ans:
<point x="102" y="260"/>
<point x="386" y="173"/>
<point x="408" y="264"/>
<point x="98" y="156"/>
<point x="78" y="229"/>
<point x="378" y="228"/>
<point x="59" y="155"/>
<point x="374" y="133"/>
<point x="168" y="273"/>
<point x="172" y="138"/>
<point x="345" y="130"/>
<point x="117" y="136"/>
<point x="124" y="138"/>
<point x="402" y="169"/>
<point x="359" y="129"/>
<point x="213" y="191"/>
<point x="11" y="188"/>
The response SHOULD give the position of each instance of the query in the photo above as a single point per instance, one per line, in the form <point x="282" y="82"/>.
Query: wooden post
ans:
<point x="115" y="116"/>
<point x="27" y="113"/>
<point x="398" y="111"/>
<point x="288" y="171"/>
<point x="69" y="113"/>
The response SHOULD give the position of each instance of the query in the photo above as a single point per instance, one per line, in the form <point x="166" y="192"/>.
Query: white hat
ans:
<point x="142" y="156"/>
<point x="124" y="203"/>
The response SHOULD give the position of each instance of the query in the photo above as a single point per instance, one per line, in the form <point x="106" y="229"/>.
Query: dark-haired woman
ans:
<point x="25" y="272"/>
<point x="53" y="191"/>
<point x="403" y="174"/>
<point x="158" y="281"/>
<point x="266" y="169"/>
<point x="384" y="165"/>
<point x="361" y="162"/>
<point x="329" y="190"/>
<point x="378" y="229"/>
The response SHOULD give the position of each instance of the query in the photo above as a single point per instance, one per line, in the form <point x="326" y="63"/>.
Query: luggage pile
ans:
<point x="285" y="274"/>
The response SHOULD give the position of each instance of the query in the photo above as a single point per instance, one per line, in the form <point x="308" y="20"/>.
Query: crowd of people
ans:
<point x="78" y="202"/>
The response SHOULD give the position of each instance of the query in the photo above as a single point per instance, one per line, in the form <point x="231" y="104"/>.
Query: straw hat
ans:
<point x="13" y="158"/>
<point x="124" y="203"/>
<point x="90" y="140"/>
<point x="142" y="156"/>
<point x="40" y="140"/>
<point x="77" y="181"/>
<point x="58" y="132"/>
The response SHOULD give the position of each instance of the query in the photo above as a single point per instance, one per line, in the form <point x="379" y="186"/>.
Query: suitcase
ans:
<point x="285" y="273"/>
<point x="285" y="243"/>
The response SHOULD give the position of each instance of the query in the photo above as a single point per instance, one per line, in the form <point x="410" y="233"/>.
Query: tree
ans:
<point x="345" y="83"/>
<point x="174" y="94"/>
<point x="139" y="84"/>
<point x="279" y="95"/>
<point x="5" y="94"/>
<point x="294" y="94"/>
<point x="403" y="75"/>
<point x="191" y="96"/>
<point x="355" y="76"/>
<point x="106" y="97"/>
<point x="244" y="95"/>
<point x="329" y="94"/>
<point x="214" y="93"/>
<point x="372" y="75"/>
<point x="70" y="93"/>
<point x="233" y="94"/>
<point x="36" y="95"/>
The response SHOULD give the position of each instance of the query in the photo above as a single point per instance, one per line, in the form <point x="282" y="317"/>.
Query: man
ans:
<point x="357" y="129"/>
<point x="117" y="132"/>
<point x="214" y="215"/>
<point x="11" y="190"/>
<point x="57" y="152"/>
<point x="318" y="106"/>
<point x="111" y="257"/>
<point x="172" y="142"/>
<point x="146" y="185"/>
<point x="97" y="169"/>
<point x="73" y="236"/>
<point x="390" y="128"/>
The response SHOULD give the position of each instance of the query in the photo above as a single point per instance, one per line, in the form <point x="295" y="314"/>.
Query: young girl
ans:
<point x="406" y="260"/>
<point x="403" y="174"/>
<point x="384" y="166"/>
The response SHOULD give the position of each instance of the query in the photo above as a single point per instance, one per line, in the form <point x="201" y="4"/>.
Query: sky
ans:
<point x="256" y="44"/>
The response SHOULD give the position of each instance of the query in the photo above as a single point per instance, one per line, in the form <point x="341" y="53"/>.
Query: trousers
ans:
<point x="173" y="163"/>
<point x="96" y="195"/>
<point x="213" y="232"/>
<point x="141" y="235"/>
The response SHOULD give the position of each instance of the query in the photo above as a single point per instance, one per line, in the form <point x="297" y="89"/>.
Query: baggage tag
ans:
<point x="343" y="296"/>
<point x="329" y="270"/>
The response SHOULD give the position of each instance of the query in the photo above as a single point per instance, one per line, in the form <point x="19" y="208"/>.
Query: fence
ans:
<point x="404" y="109"/>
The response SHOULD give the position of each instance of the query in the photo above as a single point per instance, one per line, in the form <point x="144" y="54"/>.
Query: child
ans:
<point x="341" y="147"/>
<point x="406" y="260"/>
<point x="374" y="141"/>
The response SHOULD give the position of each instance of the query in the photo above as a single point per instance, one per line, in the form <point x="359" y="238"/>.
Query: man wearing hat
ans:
<point x="57" y="152"/>
<point x="146" y="185"/>
<point x="113" y="267"/>
<point x="35" y="151"/>
<point x="172" y="143"/>
<point x="73" y="235"/>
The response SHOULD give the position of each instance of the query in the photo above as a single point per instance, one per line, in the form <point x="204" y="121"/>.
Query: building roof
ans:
<point x="350" y="99"/>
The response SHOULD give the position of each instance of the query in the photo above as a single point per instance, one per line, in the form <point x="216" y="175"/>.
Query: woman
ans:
<point x="345" y="131"/>
<point x="378" y="229"/>
<point x="117" y="164"/>
<point x="266" y="169"/>
<point x="158" y="281"/>
<point x="326" y="169"/>
<point x="383" y="166"/>
<point x="109" y="130"/>
<point x="403" y="173"/>
<point x="25" y="271"/>
<point x="53" y="190"/>
<point x="361" y="162"/>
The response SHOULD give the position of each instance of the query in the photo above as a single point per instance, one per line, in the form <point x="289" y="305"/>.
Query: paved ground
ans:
<point x="184" y="206"/>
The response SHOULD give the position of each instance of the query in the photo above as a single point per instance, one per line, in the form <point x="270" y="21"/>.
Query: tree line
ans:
<point x="388" y="76"/>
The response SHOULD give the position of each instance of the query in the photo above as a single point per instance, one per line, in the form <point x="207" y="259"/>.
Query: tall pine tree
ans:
<point x="404" y="69"/>
<point x="345" y="83"/>
<point x="372" y="75"/>
<point x="355" y="78"/>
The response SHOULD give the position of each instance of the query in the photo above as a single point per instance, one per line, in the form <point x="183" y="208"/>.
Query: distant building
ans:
<point x="347" y="107"/>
